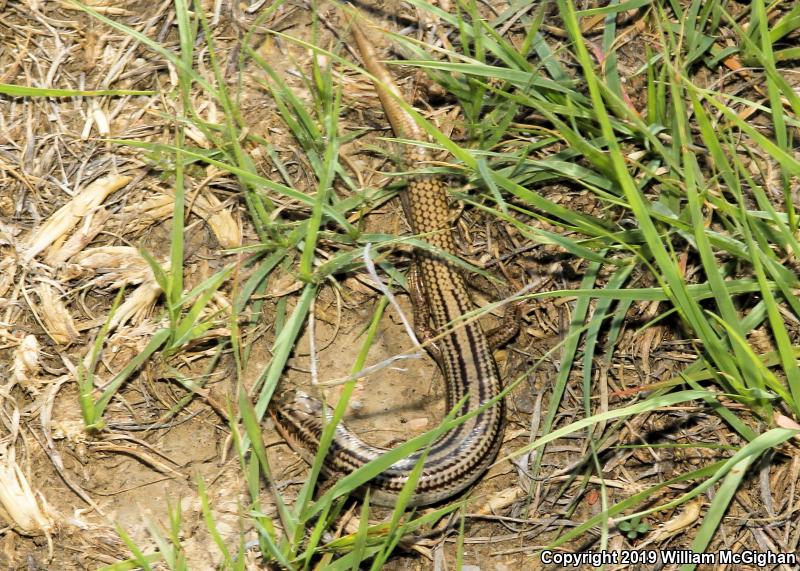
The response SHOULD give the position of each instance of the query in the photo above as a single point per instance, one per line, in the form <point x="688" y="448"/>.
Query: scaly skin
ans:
<point x="460" y="456"/>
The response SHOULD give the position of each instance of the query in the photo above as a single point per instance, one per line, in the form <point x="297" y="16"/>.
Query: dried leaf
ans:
<point x="57" y="320"/>
<point x="69" y="215"/>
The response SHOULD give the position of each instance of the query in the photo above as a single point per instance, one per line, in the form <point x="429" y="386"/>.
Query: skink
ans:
<point x="459" y="457"/>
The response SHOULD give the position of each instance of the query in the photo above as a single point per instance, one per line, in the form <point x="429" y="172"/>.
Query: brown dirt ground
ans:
<point x="146" y="461"/>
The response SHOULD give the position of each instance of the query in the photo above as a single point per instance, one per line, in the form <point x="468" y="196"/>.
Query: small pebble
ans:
<point x="417" y="423"/>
